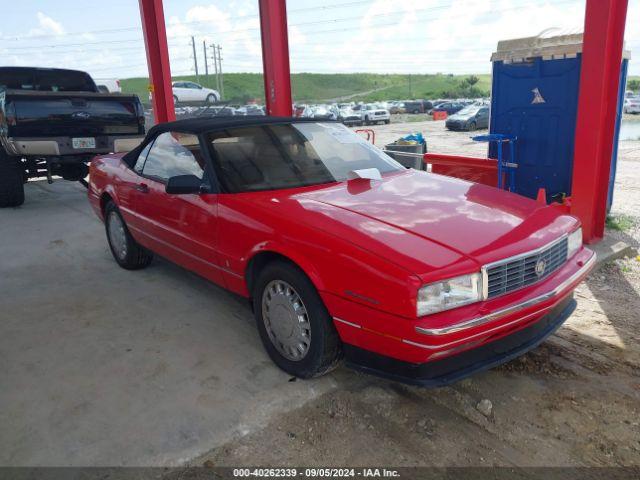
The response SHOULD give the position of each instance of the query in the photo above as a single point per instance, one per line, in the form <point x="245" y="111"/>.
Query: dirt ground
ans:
<point x="573" y="401"/>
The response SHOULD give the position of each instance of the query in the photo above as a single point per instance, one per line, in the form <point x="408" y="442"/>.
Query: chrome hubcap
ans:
<point x="286" y="320"/>
<point x="117" y="236"/>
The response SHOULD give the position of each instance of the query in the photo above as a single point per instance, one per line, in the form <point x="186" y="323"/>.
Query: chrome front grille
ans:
<point x="518" y="272"/>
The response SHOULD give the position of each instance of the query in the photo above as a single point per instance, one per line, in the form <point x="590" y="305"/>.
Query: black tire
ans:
<point x="11" y="181"/>
<point x="472" y="127"/>
<point x="211" y="98"/>
<point x="366" y="121"/>
<point x="136" y="256"/>
<point x="325" y="349"/>
<point x="416" y="111"/>
<point x="387" y="122"/>
<point x="175" y="100"/>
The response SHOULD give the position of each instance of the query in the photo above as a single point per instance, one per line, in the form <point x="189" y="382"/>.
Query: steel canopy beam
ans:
<point x="275" y="57"/>
<point x="155" y="43"/>
<point x="597" y="102"/>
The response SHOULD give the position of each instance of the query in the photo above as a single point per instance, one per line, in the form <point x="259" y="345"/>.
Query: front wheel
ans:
<point x="472" y="126"/>
<point x="11" y="181"/>
<point x="295" y="326"/>
<point x="125" y="250"/>
<point x="387" y="122"/>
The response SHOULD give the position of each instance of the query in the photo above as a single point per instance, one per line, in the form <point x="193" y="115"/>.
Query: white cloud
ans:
<point x="47" y="26"/>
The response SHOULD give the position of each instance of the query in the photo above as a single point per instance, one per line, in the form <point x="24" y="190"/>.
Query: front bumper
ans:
<point x="456" y="126"/>
<point x="449" y="370"/>
<point x="452" y="333"/>
<point x="62" y="146"/>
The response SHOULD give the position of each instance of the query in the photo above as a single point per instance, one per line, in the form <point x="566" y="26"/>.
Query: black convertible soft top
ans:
<point x="198" y="125"/>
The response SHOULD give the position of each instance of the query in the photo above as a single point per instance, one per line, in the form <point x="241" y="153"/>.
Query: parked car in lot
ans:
<point x="194" y="92"/>
<point x="341" y="250"/>
<point x="449" y="107"/>
<point x="52" y="121"/>
<point x="349" y="117"/>
<point x="108" y="85"/>
<point x="417" y="106"/>
<point x="631" y="105"/>
<point x="397" y="107"/>
<point x="250" y="110"/>
<point x="469" y="118"/>
<point x="374" y="113"/>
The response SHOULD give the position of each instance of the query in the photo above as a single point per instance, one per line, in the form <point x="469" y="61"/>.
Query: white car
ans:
<point x="192" y="92"/>
<point x="108" y="85"/>
<point x="631" y="105"/>
<point x="374" y="113"/>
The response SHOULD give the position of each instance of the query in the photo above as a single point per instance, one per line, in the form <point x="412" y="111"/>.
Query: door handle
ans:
<point x="142" y="187"/>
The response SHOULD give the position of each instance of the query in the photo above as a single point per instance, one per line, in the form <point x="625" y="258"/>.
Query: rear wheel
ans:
<point x="125" y="250"/>
<point x="295" y="326"/>
<point x="11" y="181"/>
<point x="211" y="98"/>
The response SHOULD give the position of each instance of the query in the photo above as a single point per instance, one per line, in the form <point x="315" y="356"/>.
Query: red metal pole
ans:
<point x="599" y="80"/>
<point x="275" y="57"/>
<point x="155" y="42"/>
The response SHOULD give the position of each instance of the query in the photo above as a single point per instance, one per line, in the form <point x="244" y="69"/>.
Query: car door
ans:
<point x="195" y="92"/>
<point x="181" y="227"/>
<point x="483" y="118"/>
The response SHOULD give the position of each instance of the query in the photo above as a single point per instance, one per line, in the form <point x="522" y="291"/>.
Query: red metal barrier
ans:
<point x="275" y="57"/>
<point x="599" y="80"/>
<point x="371" y="135"/>
<point x="155" y="43"/>
<point x="439" y="115"/>
<point x="478" y="170"/>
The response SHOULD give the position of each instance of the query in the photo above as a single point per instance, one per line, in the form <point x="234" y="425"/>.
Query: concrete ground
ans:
<point x="103" y="366"/>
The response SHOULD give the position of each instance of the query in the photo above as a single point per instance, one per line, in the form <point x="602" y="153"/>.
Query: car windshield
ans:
<point x="269" y="157"/>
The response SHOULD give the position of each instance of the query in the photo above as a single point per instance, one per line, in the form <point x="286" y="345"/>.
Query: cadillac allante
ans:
<point x="343" y="252"/>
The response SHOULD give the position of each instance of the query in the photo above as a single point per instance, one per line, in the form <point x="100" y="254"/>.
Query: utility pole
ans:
<point x="195" y="57"/>
<point x="220" y="70"/>
<point x="215" y="65"/>
<point x="206" y="63"/>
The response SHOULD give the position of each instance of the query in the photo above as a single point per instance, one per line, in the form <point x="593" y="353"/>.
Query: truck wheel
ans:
<point x="125" y="250"/>
<point x="11" y="181"/>
<point x="295" y="326"/>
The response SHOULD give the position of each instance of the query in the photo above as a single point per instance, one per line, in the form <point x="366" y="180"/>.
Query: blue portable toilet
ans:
<point x="534" y="96"/>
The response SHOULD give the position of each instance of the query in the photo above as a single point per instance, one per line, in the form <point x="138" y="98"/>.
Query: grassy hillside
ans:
<point x="312" y="87"/>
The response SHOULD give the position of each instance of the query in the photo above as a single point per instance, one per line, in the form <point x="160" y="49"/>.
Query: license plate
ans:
<point x="83" y="142"/>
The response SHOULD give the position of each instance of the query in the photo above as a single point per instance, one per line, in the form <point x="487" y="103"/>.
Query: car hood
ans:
<point x="460" y="117"/>
<point x="417" y="211"/>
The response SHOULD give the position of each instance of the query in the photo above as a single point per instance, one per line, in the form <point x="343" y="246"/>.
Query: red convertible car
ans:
<point x="342" y="251"/>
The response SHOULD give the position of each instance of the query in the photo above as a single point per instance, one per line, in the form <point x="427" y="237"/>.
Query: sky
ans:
<point x="325" y="36"/>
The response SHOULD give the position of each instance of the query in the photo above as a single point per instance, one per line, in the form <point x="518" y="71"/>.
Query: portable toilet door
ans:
<point x="534" y="96"/>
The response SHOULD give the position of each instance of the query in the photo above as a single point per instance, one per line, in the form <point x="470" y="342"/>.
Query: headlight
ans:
<point x="448" y="294"/>
<point x="574" y="242"/>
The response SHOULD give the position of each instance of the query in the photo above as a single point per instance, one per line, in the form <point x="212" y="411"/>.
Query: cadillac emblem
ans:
<point x="541" y="265"/>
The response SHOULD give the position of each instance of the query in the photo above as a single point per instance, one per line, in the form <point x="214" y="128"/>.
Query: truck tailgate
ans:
<point x="73" y="113"/>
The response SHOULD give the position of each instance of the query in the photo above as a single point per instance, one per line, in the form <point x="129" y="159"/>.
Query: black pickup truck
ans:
<point x="53" y="121"/>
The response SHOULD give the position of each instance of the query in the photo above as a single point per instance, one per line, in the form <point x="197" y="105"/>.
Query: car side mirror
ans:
<point x="185" y="184"/>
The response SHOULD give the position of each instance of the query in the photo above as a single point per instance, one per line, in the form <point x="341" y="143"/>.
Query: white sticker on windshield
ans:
<point x="344" y="136"/>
